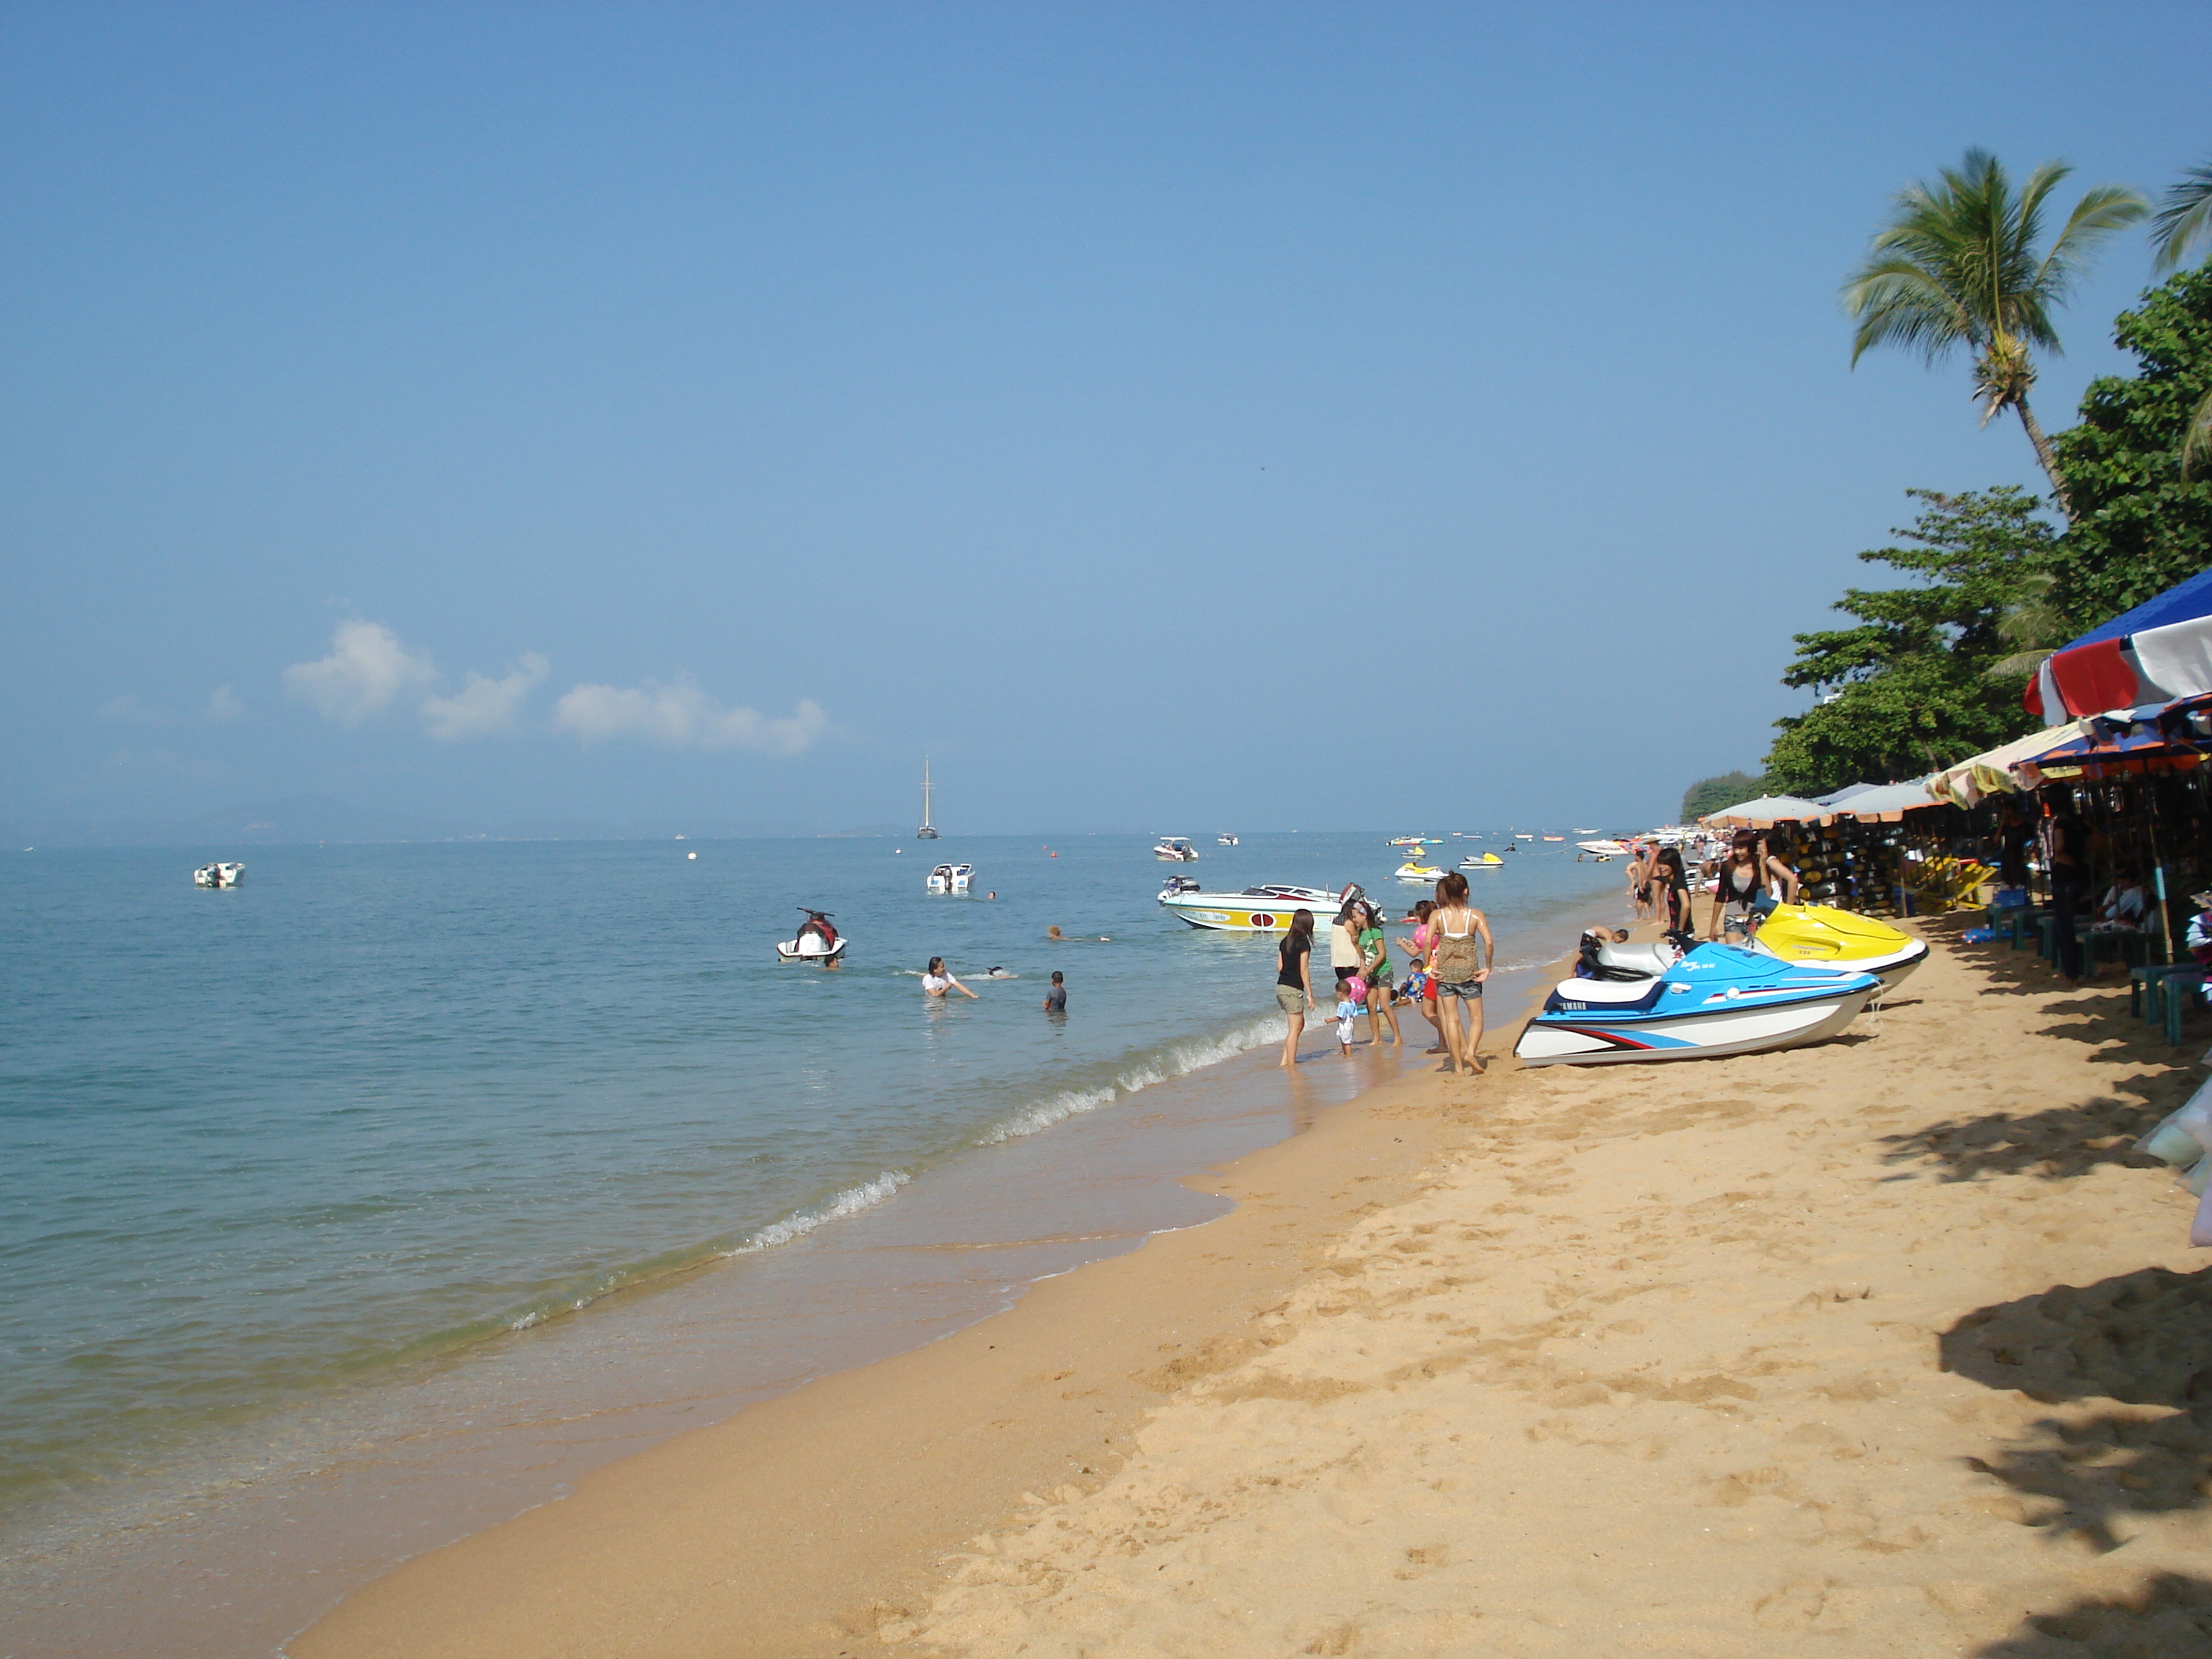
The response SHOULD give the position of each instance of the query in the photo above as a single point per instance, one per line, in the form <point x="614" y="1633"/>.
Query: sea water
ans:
<point x="385" y="1103"/>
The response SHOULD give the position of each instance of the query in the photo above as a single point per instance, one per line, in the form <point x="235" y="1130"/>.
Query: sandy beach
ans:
<point x="1887" y="1346"/>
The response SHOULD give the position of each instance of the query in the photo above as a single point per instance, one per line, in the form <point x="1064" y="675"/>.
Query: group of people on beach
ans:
<point x="1449" y="957"/>
<point x="1747" y="880"/>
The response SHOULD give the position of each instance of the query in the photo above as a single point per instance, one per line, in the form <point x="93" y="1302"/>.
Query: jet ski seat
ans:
<point x="1648" y="961"/>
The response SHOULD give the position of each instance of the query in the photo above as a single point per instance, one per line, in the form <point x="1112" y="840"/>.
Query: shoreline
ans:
<point x="1776" y="1461"/>
<point x="790" y="1471"/>
<point x="488" y="1441"/>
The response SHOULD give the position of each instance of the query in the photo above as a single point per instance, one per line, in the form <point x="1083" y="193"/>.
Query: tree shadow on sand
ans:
<point x="2168" y="1616"/>
<point x="2142" y="1341"/>
<point x="2055" y="1144"/>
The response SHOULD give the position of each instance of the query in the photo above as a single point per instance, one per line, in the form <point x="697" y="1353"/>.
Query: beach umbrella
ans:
<point x="2157" y="653"/>
<point x="1837" y="797"/>
<point x="1767" y="812"/>
<point x="1887" y="803"/>
<point x="1989" y="773"/>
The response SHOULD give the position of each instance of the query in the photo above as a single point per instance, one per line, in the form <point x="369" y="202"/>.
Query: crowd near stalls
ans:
<point x="2091" y="838"/>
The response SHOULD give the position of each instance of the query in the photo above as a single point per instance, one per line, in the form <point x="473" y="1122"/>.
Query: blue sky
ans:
<point x="1176" y="417"/>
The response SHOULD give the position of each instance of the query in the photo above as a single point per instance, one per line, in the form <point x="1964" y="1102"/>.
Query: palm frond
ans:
<point x="2102" y="210"/>
<point x="2185" y="220"/>
<point x="1899" y="303"/>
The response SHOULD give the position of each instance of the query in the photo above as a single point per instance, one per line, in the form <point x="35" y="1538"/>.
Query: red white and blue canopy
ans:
<point x="2158" y="652"/>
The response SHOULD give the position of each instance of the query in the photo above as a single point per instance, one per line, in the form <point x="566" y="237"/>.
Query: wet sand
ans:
<point x="1888" y="1345"/>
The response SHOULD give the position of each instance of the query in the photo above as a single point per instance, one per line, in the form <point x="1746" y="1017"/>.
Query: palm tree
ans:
<point x="2184" y="222"/>
<point x="1957" y="265"/>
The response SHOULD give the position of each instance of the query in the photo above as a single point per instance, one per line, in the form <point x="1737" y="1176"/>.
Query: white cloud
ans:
<point x="367" y="669"/>
<point x="224" y="704"/>
<point x="485" y="707"/>
<point x="129" y="711"/>
<point x="682" y="716"/>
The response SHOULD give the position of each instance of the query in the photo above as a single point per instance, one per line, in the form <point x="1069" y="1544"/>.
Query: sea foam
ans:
<point x="1171" y="1060"/>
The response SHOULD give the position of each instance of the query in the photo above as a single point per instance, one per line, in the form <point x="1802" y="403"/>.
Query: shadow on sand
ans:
<point x="2055" y="1144"/>
<point x="2168" y="1616"/>
<point x="2140" y="1347"/>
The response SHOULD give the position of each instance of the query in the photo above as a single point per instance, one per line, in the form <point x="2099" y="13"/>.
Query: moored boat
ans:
<point x="1718" y="999"/>
<point x="1412" y="870"/>
<point x="950" y="878"/>
<point x="1266" y="909"/>
<point x="1174" y="849"/>
<point x="215" y="875"/>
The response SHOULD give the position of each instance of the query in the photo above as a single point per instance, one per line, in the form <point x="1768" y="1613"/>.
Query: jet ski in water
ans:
<point x="818" y="941"/>
<point x="1716" y="1000"/>
<point x="1820" y="936"/>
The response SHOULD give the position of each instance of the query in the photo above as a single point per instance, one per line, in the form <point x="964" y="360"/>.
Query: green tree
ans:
<point x="1958" y="265"/>
<point x="1910" y="688"/>
<point x="2142" y="524"/>
<point x="2182" y="224"/>
<point x="1711" y="794"/>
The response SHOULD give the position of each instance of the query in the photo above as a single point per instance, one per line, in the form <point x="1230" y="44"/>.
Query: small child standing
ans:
<point x="1351" y="1002"/>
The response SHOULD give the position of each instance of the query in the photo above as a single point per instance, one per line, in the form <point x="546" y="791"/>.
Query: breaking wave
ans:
<point x="1171" y="1060"/>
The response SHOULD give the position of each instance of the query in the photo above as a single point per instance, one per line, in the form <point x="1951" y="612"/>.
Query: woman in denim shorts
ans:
<point x="1459" y="964"/>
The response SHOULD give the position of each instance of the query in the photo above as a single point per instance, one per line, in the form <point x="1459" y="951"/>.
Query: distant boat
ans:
<point x="950" y="878"/>
<point x="1225" y="839"/>
<point x="1174" y="849"/>
<point x="1555" y="838"/>
<point x="928" y="830"/>
<point x="215" y="875"/>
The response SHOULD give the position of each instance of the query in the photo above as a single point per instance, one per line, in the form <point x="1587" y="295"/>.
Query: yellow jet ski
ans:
<point x="1821" y="936"/>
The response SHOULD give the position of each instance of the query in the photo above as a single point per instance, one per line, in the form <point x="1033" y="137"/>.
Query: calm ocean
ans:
<point x="387" y="1102"/>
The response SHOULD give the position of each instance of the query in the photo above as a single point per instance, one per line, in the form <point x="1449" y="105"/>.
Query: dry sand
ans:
<point x="1888" y="1346"/>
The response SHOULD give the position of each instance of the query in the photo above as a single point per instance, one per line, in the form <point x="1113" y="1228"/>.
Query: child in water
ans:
<point x="1055" y="999"/>
<point x="1351" y="1002"/>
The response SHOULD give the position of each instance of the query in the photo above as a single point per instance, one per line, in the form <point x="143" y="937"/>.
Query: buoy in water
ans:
<point x="690" y="855"/>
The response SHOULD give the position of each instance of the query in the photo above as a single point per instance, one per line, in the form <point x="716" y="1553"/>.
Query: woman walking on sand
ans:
<point x="1344" y="942"/>
<point x="1461" y="963"/>
<point x="1420" y="984"/>
<point x="1375" y="969"/>
<point x="1742" y="884"/>
<point x="1670" y="886"/>
<point x="1781" y="878"/>
<point x="1294" y="980"/>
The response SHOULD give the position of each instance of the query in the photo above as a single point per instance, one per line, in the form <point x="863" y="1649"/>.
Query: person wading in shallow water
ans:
<point x="1461" y="963"/>
<point x="1294" y="980"/>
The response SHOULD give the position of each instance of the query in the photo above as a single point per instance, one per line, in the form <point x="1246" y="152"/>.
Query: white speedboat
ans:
<point x="1176" y="885"/>
<point x="1718" y="999"/>
<point x="818" y="942"/>
<point x="1266" y="909"/>
<point x="950" y="878"/>
<point x="1409" y="841"/>
<point x="1225" y="839"/>
<point x="1609" y="850"/>
<point x="218" y="875"/>
<point x="1174" y="849"/>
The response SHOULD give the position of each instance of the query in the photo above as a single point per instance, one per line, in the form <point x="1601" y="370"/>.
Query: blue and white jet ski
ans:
<point x="1716" y="1000"/>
